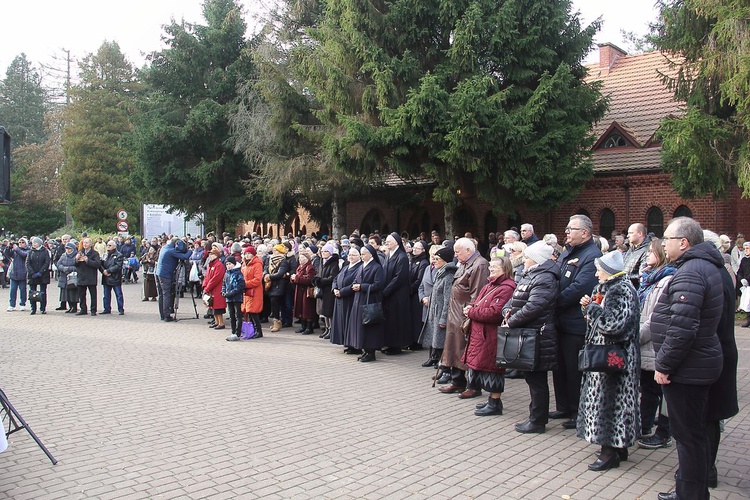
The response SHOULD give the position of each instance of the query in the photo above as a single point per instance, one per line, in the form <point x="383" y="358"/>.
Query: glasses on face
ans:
<point x="571" y="229"/>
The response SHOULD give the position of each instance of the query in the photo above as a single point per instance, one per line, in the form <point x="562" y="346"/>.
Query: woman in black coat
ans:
<point x="327" y="271"/>
<point x="396" y="305"/>
<point x="532" y="306"/>
<point x="68" y="290"/>
<point x="342" y="290"/>
<point x="367" y="290"/>
<point x="37" y="271"/>
<point x="419" y="262"/>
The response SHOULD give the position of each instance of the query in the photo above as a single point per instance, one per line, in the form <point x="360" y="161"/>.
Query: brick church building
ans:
<point x="628" y="186"/>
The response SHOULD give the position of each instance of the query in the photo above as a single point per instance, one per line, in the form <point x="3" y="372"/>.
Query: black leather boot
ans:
<point x="493" y="407"/>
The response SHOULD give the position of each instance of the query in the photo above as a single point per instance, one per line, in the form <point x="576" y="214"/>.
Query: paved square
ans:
<point x="136" y="408"/>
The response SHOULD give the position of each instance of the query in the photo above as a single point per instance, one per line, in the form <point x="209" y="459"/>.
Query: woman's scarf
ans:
<point x="650" y="278"/>
<point x="275" y="262"/>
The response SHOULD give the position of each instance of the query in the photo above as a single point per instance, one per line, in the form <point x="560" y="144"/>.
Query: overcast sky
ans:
<point x="43" y="28"/>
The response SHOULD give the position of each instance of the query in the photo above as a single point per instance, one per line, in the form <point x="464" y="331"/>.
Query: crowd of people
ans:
<point x="668" y="304"/>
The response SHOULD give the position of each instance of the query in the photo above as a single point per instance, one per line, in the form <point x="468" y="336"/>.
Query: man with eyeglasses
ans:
<point x="688" y="351"/>
<point x="577" y="278"/>
<point x="111" y="268"/>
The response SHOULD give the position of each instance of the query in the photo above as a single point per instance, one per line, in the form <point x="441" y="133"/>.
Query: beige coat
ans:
<point x="468" y="281"/>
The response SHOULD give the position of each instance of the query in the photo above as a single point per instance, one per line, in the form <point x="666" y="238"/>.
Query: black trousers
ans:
<point x="276" y="302"/>
<point x="651" y="396"/>
<point x="235" y="317"/>
<point x="687" y="419"/>
<point x="539" y="390"/>
<point x="567" y="378"/>
<point x="82" y="297"/>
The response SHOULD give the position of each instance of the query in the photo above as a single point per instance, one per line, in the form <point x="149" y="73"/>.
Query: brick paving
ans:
<point x="135" y="408"/>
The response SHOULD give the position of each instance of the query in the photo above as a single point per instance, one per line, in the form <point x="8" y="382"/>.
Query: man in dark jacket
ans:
<point x="111" y="268"/>
<point x="169" y="256"/>
<point x="577" y="278"/>
<point x="688" y="353"/>
<point x="87" y="264"/>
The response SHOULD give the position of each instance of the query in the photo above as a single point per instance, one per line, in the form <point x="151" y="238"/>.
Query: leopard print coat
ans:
<point x="609" y="411"/>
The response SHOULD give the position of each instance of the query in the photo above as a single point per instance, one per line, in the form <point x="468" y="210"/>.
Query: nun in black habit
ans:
<point x="396" y="304"/>
<point x="344" y="298"/>
<point x="370" y="279"/>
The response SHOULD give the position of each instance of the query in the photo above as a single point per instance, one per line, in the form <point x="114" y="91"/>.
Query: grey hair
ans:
<point x="584" y="221"/>
<point x="174" y="240"/>
<point x="512" y="233"/>
<point x="550" y="239"/>
<point x="712" y="237"/>
<point x="527" y="226"/>
<point x="689" y="229"/>
<point x="465" y="243"/>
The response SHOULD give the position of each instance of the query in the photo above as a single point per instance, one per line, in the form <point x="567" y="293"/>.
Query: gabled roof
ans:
<point x="638" y="98"/>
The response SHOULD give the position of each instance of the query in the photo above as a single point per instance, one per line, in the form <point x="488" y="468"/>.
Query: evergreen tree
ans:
<point x="184" y="157"/>
<point x="98" y="161"/>
<point x="22" y="102"/>
<point x="483" y="96"/>
<point x="707" y="149"/>
<point x="38" y="206"/>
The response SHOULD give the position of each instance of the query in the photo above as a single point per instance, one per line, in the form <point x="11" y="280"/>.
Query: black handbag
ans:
<point x="517" y="348"/>
<point x="36" y="296"/>
<point x="372" y="314"/>
<point x="604" y="358"/>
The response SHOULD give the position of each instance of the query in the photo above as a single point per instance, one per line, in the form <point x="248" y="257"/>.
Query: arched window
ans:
<point x="683" y="211"/>
<point x="425" y="223"/>
<point x="615" y="141"/>
<point x="466" y="222"/>
<point x="655" y="221"/>
<point x="606" y="222"/>
<point x="372" y="222"/>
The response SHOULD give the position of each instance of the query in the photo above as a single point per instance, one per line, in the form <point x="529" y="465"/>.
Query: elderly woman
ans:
<point x="276" y="280"/>
<point x="486" y="314"/>
<point x="37" y="270"/>
<point x="367" y="287"/>
<point x="327" y="271"/>
<point x="212" y="283"/>
<point x="532" y="306"/>
<point x="654" y="281"/>
<point x="148" y="262"/>
<point x="425" y="290"/>
<point x="419" y="262"/>
<point x="608" y="413"/>
<point x="342" y="290"/>
<point x="304" y="296"/>
<point x="515" y="252"/>
<point x="66" y="264"/>
<point x="433" y="332"/>
<point x="252" y="302"/>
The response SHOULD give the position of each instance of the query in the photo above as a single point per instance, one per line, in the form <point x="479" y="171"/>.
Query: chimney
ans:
<point x="608" y="55"/>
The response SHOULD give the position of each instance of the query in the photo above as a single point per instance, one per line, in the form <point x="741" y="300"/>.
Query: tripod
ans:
<point x="179" y="286"/>
<point x="14" y="419"/>
<point x="177" y="290"/>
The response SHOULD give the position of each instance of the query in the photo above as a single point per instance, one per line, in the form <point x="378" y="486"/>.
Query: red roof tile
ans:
<point x="638" y="101"/>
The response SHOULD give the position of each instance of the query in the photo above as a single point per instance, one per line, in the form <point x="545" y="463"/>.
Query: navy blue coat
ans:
<point x="577" y="278"/>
